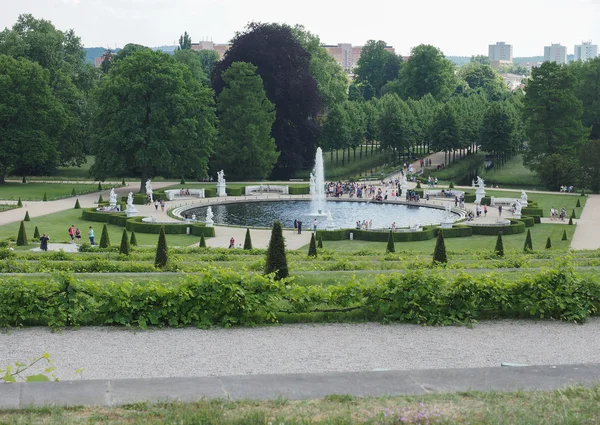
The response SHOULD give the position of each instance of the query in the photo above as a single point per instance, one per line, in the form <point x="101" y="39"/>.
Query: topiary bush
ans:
<point x="564" y="236"/>
<point x="73" y="193"/>
<point x="499" y="249"/>
<point x="390" y="243"/>
<point x="36" y="233"/>
<point x="162" y="251"/>
<point x="77" y="206"/>
<point x="123" y="182"/>
<point x="582" y="192"/>
<point x="20" y="203"/>
<point x="276" y="256"/>
<point x="247" y="240"/>
<point x="418" y="184"/>
<point x="27" y="218"/>
<point x="578" y="204"/>
<point x="439" y="254"/>
<point x="182" y="181"/>
<point x="45" y="197"/>
<point x="133" y="240"/>
<point x="202" y="241"/>
<point x="528" y="246"/>
<point x="22" y="236"/>
<point x="104" y="239"/>
<point x="451" y="186"/>
<point x="320" y="242"/>
<point x="548" y="243"/>
<point x="99" y="186"/>
<point x="312" y="248"/>
<point x="570" y="221"/>
<point x="100" y="199"/>
<point x="573" y="214"/>
<point x="125" y="248"/>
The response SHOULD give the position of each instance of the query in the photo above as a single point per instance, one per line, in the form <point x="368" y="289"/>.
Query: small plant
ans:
<point x="22" y="236"/>
<point x="100" y="199"/>
<point x="390" y="243"/>
<point x="133" y="239"/>
<point x="162" y="251"/>
<point x="573" y="214"/>
<point x="20" y="203"/>
<point x="439" y="254"/>
<point x="27" y="218"/>
<point x="582" y="192"/>
<point x="45" y="197"/>
<point x="125" y="248"/>
<point x="104" y="239"/>
<point x="77" y="206"/>
<point x="320" y="242"/>
<point x="73" y="193"/>
<point x="548" y="243"/>
<point x="418" y="184"/>
<point x="276" y="257"/>
<point x="24" y="180"/>
<point x="499" y="249"/>
<point x="247" y="240"/>
<point x="528" y="246"/>
<point x="202" y="241"/>
<point x="182" y="181"/>
<point x="564" y="236"/>
<point x="570" y="221"/>
<point x="451" y="186"/>
<point x="99" y="186"/>
<point x="123" y="182"/>
<point x="10" y="374"/>
<point x="578" y="204"/>
<point x="312" y="248"/>
<point x="36" y="233"/>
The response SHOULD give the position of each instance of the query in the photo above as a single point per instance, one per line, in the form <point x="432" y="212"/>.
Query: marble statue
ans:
<point x="209" y="217"/>
<point x="221" y="191"/>
<point x="220" y="177"/>
<point x="112" y="198"/>
<point x="523" y="196"/>
<point x="518" y="207"/>
<point x="149" y="190"/>
<point x="480" y="182"/>
<point x="130" y="208"/>
<point x="312" y="184"/>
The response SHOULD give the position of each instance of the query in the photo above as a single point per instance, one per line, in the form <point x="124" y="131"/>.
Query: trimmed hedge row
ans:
<point x="529" y="221"/>
<point x="516" y="226"/>
<point x="235" y="191"/>
<point x="299" y="190"/>
<point x="212" y="298"/>
<point x="532" y="211"/>
<point x="428" y="232"/>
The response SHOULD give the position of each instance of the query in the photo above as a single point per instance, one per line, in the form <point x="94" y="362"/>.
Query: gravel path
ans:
<point x="117" y="353"/>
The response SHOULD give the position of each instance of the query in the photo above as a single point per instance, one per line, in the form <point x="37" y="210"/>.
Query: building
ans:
<point x="347" y="55"/>
<point x="209" y="45"/>
<point x="586" y="50"/>
<point x="500" y="52"/>
<point x="555" y="53"/>
<point x="497" y="64"/>
<point x="514" y="81"/>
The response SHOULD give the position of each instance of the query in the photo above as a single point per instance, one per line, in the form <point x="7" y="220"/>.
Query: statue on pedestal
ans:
<point x="130" y="209"/>
<point x="149" y="190"/>
<point x="221" y="177"/>
<point x="480" y="192"/>
<point x="112" y="198"/>
<point x="221" y="183"/>
<point x="209" y="217"/>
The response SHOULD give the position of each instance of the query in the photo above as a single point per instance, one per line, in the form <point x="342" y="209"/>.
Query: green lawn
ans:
<point x="372" y="164"/>
<point x="35" y="191"/>
<point x="545" y="201"/>
<point x="513" y="173"/>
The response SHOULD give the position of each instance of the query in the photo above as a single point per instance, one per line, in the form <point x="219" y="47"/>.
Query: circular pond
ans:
<point x="344" y="214"/>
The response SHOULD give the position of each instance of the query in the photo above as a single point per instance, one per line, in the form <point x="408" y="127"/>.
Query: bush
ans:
<point x="528" y="221"/>
<point x="162" y="251"/>
<point x="24" y="180"/>
<point x="235" y="191"/>
<point x="210" y="192"/>
<point x="451" y="186"/>
<point x="27" y="218"/>
<point x="123" y="182"/>
<point x="77" y="206"/>
<point x="312" y="248"/>
<point x="320" y="242"/>
<point x="20" y="203"/>
<point x="276" y="257"/>
<point x="439" y="254"/>
<point x="99" y="186"/>
<point x="73" y="193"/>
<point x="532" y="211"/>
<point x="528" y="246"/>
<point x="418" y="184"/>
<point x="133" y="240"/>
<point x="125" y="248"/>
<point x="499" y="249"/>
<point x="247" y="240"/>
<point x="100" y="199"/>
<point x="548" y="243"/>
<point x="390" y="243"/>
<point x="104" y="238"/>
<point x="570" y="221"/>
<point x="299" y="190"/>
<point x="202" y="242"/>
<point x="578" y="204"/>
<point x="457" y="231"/>
<point x="564" y="236"/>
<point x="182" y="181"/>
<point x="36" y="233"/>
<point x="22" y="236"/>
<point x="582" y="192"/>
<point x="45" y="197"/>
<point x="573" y="215"/>
<point x="516" y="226"/>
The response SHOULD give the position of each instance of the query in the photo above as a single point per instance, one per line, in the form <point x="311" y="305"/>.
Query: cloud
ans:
<point x="73" y="2"/>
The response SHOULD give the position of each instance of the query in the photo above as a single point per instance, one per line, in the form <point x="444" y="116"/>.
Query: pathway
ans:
<point x="587" y="232"/>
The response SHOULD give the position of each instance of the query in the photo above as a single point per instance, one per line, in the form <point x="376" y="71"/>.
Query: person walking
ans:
<point x="499" y="210"/>
<point x="72" y="233"/>
<point x="315" y="223"/>
<point x="91" y="235"/>
<point x="77" y="235"/>
<point x="156" y="205"/>
<point x="44" y="242"/>
<point x="232" y="242"/>
<point x="485" y="210"/>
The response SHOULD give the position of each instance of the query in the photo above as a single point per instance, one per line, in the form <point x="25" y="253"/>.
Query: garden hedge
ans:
<point x="516" y="226"/>
<point x="299" y="190"/>
<point x="235" y="191"/>
<point x="529" y="221"/>
<point x="532" y="211"/>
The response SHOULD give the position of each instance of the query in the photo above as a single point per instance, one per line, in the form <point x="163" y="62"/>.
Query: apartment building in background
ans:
<point x="347" y="55"/>
<point x="585" y="51"/>
<point x="555" y="53"/>
<point x="500" y="52"/>
<point x="209" y="45"/>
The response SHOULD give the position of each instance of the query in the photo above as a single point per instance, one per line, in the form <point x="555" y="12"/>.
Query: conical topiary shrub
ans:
<point x="276" y="257"/>
<point x="451" y="186"/>
<point x="573" y="214"/>
<point x="100" y="199"/>
<point x="182" y="181"/>
<point x="125" y="248"/>
<point x="202" y="241"/>
<point x="20" y="203"/>
<point x="564" y="236"/>
<point x="77" y="206"/>
<point x="133" y="240"/>
<point x="320" y="242"/>
<point x="439" y="254"/>
<point x="73" y="193"/>
<point x="99" y="186"/>
<point x="45" y="197"/>
<point x="418" y="185"/>
<point x="312" y="248"/>
<point x="570" y="221"/>
<point x="247" y="240"/>
<point x="24" y="180"/>
<point x="104" y="239"/>
<point x="390" y="244"/>
<point x="123" y="182"/>
<point x="499" y="249"/>
<point x="36" y="233"/>
<point x="22" y="236"/>
<point x="548" y="243"/>
<point x="582" y="192"/>
<point x="578" y="204"/>
<point x="162" y="251"/>
<point x="528" y="247"/>
<point x="27" y="218"/>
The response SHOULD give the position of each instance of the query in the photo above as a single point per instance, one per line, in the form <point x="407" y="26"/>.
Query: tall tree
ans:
<point x="499" y="133"/>
<point x="245" y="146"/>
<point x="335" y="134"/>
<point x="185" y="42"/>
<point x="483" y="77"/>
<point x="152" y="117"/>
<point x="193" y="61"/>
<point x="590" y="165"/>
<point x="445" y="131"/>
<point x="357" y="123"/>
<point x="482" y="59"/>
<point x="284" y="66"/>
<point x="208" y="59"/>
<point x="376" y="66"/>
<point x="396" y="125"/>
<point x="588" y="91"/>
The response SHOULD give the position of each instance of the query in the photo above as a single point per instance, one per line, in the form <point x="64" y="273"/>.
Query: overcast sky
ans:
<point x="458" y="27"/>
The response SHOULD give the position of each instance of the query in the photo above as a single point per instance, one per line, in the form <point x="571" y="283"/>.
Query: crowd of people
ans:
<point x="567" y="189"/>
<point x="555" y="214"/>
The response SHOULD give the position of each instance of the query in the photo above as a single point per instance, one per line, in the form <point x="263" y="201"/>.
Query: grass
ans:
<point x="457" y="170"/>
<point x="372" y="164"/>
<point x="35" y="191"/>
<point x="513" y="173"/>
<point x="572" y="405"/>
<point x="545" y="201"/>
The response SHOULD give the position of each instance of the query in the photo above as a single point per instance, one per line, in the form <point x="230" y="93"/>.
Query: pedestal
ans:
<point x="132" y="213"/>
<point x="479" y="194"/>
<point x="209" y="223"/>
<point x="517" y="215"/>
<point x="221" y="190"/>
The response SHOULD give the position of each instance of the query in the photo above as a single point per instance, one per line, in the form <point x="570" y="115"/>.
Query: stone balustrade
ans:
<point x="171" y="194"/>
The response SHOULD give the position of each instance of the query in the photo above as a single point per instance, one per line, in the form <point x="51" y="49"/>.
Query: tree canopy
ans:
<point x="185" y="42"/>
<point x="376" y="66"/>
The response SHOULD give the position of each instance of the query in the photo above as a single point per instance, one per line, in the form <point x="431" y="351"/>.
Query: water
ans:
<point x="318" y="203"/>
<point x="344" y="214"/>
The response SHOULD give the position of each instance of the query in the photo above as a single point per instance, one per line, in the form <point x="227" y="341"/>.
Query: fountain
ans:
<point x="318" y="187"/>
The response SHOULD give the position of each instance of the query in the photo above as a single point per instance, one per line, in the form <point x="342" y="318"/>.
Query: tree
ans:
<point x="162" y="251"/>
<point x="426" y="71"/>
<point x="125" y="248"/>
<point x="336" y="134"/>
<point x="128" y="50"/>
<point x="528" y="246"/>
<point x="445" y="131"/>
<point x="245" y="146"/>
<point x="276" y="257"/>
<point x="152" y="117"/>
<point x="31" y="118"/>
<point x="588" y="91"/>
<point x="499" y="131"/>
<point x="208" y="59"/>
<point x="482" y="77"/>
<point x="284" y="66"/>
<point x="192" y="60"/>
<point x="320" y="242"/>
<point x="104" y="238"/>
<point x="548" y="243"/>
<point x="27" y="218"/>
<point x="376" y="66"/>
<point x="482" y="59"/>
<point x="390" y="243"/>
<point x="133" y="240"/>
<point x="589" y="160"/>
<point x="22" y="235"/>
<point x="396" y="125"/>
<point x="77" y="206"/>
<point x="107" y="58"/>
<point x="553" y="120"/>
<point x="247" y="240"/>
<point x="439" y="253"/>
<point x="185" y="42"/>
<point x="19" y="203"/>
<point x="202" y="243"/>
<point x="499" y="248"/>
<point x="312" y="247"/>
<point x="36" y="233"/>
<point x="564" y="235"/>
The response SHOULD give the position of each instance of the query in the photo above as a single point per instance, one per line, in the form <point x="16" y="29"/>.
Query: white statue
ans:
<point x="523" y="196"/>
<point x="130" y="209"/>
<point x="149" y="190"/>
<point x="209" y="217"/>
<point x="221" y="184"/>
<point x="480" y="182"/>
<point x="473" y="183"/>
<point x="113" y="198"/>
<point x="518" y="207"/>
<point x="220" y="177"/>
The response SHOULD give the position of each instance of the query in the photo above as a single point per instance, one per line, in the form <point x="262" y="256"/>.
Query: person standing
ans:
<point x="77" y="235"/>
<point x="72" y="233"/>
<point x="156" y="205"/>
<point x="499" y="210"/>
<point x="91" y="235"/>
<point x="44" y="242"/>
<point x="299" y="227"/>
<point x="485" y="210"/>
<point x="296" y="225"/>
<point x="315" y="223"/>
<point x="162" y="205"/>
<point x="232" y="242"/>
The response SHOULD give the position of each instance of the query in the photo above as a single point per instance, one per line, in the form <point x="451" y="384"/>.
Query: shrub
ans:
<point x="276" y="257"/>
<point x="123" y="182"/>
<point x="162" y="253"/>
<point x="20" y="203"/>
<point x="564" y="236"/>
<point x="73" y="193"/>
<point x="100" y="199"/>
<point x="104" y="239"/>
<point x="133" y="240"/>
<point x="77" y="206"/>
<point x="125" y="248"/>
<point x="499" y="249"/>
<point x="528" y="247"/>
<point x="235" y="191"/>
<point x="299" y="190"/>
<point x="570" y="221"/>
<point x="418" y="184"/>
<point x="312" y="248"/>
<point x="516" y="226"/>
<point x="439" y="254"/>
<point x="390" y="243"/>
<point x="451" y="186"/>
<point x="45" y="197"/>
<point x="247" y="240"/>
<point x="578" y="204"/>
<point x="582" y="192"/>
<point x="320" y="242"/>
<point x="548" y="243"/>
<point x="202" y="242"/>
<point x="573" y="214"/>
<point x="99" y="186"/>
<point x="22" y="236"/>
<point x="36" y="233"/>
<point x="27" y="218"/>
<point x="182" y="181"/>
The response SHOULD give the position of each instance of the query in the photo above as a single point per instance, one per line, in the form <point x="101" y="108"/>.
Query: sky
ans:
<point x="457" y="27"/>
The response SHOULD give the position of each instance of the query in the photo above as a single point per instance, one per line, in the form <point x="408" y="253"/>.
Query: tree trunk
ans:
<point x="361" y="149"/>
<point x="337" y="156"/>
<point x="343" y="157"/>
<point x="354" y="153"/>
